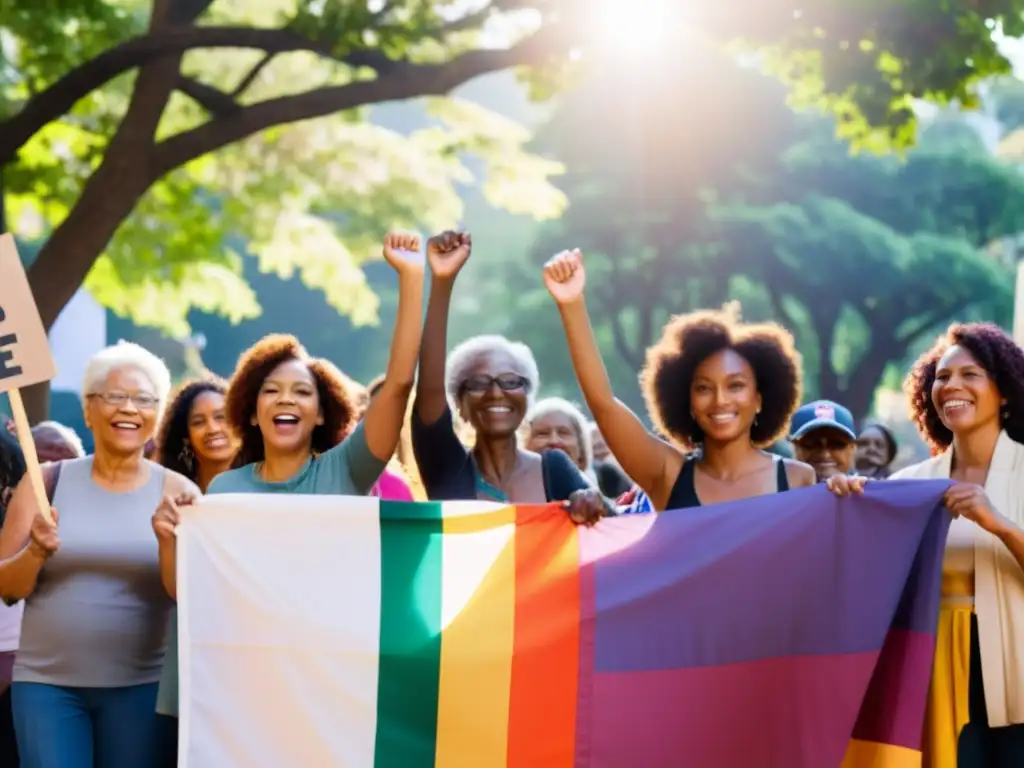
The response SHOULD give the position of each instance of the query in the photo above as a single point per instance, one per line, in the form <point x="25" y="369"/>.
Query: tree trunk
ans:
<point x="37" y="402"/>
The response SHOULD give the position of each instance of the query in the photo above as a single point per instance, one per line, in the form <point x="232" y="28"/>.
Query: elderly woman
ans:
<point x="876" y="451"/>
<point x="492" y="381"/>
<point x="95" y="622"/>
<point x="556" y="424"/>
<point x="967" y="397"/>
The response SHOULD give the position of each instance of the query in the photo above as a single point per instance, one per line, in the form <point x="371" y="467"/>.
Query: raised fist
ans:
<point x="402" y="252"/>
<point x="448" y="252"/>
<point x="564" y="276"/>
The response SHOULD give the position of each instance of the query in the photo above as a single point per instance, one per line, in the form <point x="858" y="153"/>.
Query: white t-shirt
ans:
<point x="10" y="625"/>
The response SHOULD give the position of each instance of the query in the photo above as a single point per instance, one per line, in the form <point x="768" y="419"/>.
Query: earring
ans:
<point x="186" y="456"/>
<point x="1005" y="413"/>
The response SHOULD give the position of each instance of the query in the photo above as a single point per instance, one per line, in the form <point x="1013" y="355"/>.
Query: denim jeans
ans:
<point x="60" y="727"/>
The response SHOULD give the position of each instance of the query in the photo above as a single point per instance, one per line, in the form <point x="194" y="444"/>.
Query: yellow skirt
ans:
<point x="947" y="712"/>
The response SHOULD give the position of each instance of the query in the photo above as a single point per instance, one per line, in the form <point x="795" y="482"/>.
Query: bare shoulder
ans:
<point x="176" y="483"/>
<point x="800" y="475"/>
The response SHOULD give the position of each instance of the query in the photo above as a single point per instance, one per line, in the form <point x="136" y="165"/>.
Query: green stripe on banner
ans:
<point x="410" y="634"/>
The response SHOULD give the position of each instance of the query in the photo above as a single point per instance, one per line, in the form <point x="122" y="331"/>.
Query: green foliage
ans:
<point x="861" y="256"/>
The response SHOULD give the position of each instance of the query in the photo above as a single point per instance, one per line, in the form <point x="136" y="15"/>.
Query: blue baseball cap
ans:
<point x="819" y="414"/>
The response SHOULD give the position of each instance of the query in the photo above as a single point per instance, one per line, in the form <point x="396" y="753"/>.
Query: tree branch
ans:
<point x="62" y="95"/>
<point x="251" y="75"/>
<point x="213" y="100"/>
<point x="403" y="80"/>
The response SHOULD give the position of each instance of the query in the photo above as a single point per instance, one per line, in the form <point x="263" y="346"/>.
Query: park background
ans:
<point x="228" y="170"/>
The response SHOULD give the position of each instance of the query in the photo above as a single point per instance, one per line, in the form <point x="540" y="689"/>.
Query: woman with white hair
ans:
<point x="96" y="613"/>
<point x="492" y="382"/>
<point x="555" y="424"/>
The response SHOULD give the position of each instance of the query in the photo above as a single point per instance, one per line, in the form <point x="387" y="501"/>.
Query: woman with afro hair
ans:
<point x="711" y="382"/>
<point x="194" y="440"/>
<point x="967" y="398"/>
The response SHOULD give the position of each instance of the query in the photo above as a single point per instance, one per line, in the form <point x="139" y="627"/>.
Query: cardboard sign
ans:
<point x="25" y="357"/>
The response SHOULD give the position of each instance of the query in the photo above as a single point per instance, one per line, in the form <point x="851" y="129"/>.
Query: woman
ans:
<point x="195" y="441"/>
<point x="711" y="381"/>
<point x="12" y="469"/>
<point x="876" y="451"/>
<point x="557" y="424"/>
<point x="967" y="397"/>
<point x="492" y="381"/>
<point x="293" y="416"/>
<point x="95" y="622"/>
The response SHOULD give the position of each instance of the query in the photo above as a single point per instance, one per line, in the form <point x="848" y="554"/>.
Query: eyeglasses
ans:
<point x="507" y="382"/>
<point x="142" y="401"/>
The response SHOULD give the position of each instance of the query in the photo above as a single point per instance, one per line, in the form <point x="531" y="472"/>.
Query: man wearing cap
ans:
<point x="823" y="436"/>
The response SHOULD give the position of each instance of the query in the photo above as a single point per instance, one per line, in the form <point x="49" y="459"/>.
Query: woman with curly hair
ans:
<point x="492" y="382"/>
<point x="967" y="398"/>
<point x="193" y="440"/>
<point x="714" y="382"/>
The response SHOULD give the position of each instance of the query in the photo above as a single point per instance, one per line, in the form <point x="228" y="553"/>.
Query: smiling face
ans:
<point x="872" y="449"/>
<point x="829" y="451"/>
<point x="122" y="412"/>
<point x="288" y="409"/>
<point x="555" y="431"/>
<point x="964" y="394"/>
<point x="208" y="429"/>
<point x="493" y="396"/>
<point x="724" y="397"/>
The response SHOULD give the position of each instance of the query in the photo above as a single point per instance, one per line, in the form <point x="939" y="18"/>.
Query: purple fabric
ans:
<point x="763" y="578"/>
<point x="781" y="627"/>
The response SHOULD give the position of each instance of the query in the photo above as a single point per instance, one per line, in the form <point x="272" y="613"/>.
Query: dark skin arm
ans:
<point x="652" y="463"/>
<point x="446" y="255"/>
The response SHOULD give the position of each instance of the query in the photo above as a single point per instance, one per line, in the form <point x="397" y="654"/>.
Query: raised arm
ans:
<point x="383" y="422"/>
<point x="651" y="462"/>
<point x="446" y="254"/>
<point x="178" y="491"/>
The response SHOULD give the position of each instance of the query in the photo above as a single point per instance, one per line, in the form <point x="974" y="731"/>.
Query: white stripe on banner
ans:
<point x="270" y="587"/>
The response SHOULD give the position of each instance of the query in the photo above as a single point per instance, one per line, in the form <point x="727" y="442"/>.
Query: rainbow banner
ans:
<point x="790" y="631"/>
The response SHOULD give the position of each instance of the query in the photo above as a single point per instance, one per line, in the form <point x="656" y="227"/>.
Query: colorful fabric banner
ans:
<point x="789" y="631"/>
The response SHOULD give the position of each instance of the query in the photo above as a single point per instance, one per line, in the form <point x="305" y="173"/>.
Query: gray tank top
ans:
<point x="98" y="617"/>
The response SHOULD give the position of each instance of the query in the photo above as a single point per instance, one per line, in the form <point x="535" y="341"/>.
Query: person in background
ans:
<point x="967" y="398"/>
<point x="54" y="441"/>
<point x="822" y="434"/>
<point x="195" y="441"/>
<point x="556" y="424"/>
<point x="12" y="469"/>
<point x="876" y="451"/>
<point x="392" y="484"/>
<point x="711" y="381"/>
<point x="598" y="445"/>
<point x="95" y="620"/>
<point x="492" y="381"/>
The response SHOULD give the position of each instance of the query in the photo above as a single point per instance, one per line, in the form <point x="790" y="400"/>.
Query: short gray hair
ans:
<point x="580" y="424"/>
<point x="466" y="354"/>
<point x="126" y="354"/>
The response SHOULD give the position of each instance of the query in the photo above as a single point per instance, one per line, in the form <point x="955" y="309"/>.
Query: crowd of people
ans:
<point x="88" y="660"/>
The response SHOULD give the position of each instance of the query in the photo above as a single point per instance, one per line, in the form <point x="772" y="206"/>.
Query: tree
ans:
<point x="862" y="256"/>
<point x="135" y="151"/>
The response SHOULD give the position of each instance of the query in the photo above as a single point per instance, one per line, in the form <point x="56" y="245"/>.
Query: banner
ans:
<point x="788" y="631"/>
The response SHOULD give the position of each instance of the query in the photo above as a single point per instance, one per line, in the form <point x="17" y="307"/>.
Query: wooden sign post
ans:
<point x="25" y="357"/>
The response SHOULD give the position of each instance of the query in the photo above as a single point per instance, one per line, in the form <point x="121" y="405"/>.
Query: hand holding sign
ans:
<point x="24" y="356"/>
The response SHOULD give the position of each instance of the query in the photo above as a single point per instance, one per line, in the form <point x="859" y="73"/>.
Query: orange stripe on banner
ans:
<point x="542" y="710"/>
<point x="477" y="619"/>
<point x="871" y="754"/>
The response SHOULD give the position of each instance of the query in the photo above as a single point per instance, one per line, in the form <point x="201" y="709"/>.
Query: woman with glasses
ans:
<point x="94" y="630"/>
<point x="492" y="382"/>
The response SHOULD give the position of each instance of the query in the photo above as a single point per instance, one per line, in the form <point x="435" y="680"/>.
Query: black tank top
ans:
<point x="684" y="492"/>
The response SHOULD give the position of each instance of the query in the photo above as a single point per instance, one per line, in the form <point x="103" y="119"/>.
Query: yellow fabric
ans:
<point x="947" y="712"/>
<point x="998" y="581"/>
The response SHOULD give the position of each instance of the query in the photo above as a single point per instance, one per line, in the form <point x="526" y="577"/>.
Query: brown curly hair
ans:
<point x="254" y="365"/>
<point x="994" y="351"/>
<point x="173" y="431"/>
<point x="690" y="339"/>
